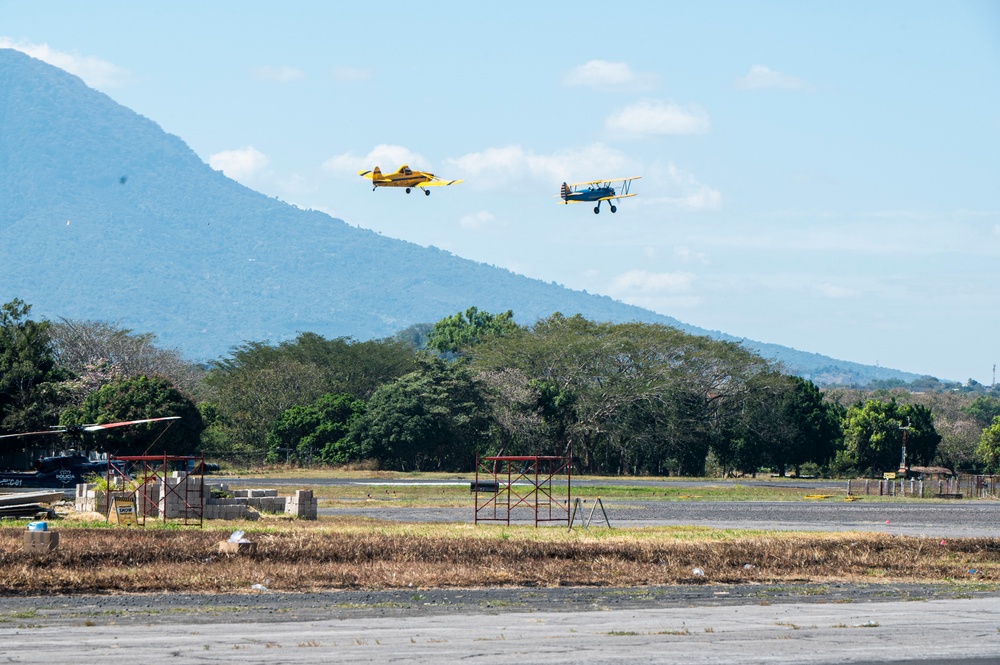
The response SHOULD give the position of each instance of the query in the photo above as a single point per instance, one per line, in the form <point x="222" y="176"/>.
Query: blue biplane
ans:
<point x="597" y="190"/>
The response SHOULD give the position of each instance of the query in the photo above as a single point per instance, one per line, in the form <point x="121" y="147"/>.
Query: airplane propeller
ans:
<point x="75" y="429"/>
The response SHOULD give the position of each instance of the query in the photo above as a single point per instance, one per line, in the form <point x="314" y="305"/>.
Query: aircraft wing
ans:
<point x="437" y="182"/>
<point x="94" y="428"/>
<point x="50" y="431"/>
<point x="366" y="174"/>
<point x="612" y="198"/>
<point x="602" y="181"/>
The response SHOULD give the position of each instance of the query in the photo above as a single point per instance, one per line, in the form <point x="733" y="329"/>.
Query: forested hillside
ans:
<point x="105" y="217"/>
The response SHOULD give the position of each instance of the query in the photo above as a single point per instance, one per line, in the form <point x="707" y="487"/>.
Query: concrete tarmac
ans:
<point x="963" y="631"/>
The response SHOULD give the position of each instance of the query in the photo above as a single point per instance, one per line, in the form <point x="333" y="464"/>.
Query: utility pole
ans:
<point x="902" y="461"/>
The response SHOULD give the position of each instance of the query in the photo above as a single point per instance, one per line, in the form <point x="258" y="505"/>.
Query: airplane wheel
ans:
<point x="427" y="192"/>
<point x="614" y="209"/>
<point x="407" y="190"/>
<point x="597" y="210"/>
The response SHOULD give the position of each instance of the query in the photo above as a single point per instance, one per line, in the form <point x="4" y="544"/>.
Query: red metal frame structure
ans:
<point x="153" y="470"/>
<point x="505" y="483"/>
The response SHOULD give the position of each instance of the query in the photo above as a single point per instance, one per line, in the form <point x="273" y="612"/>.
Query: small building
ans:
<point x="930" y="473"/>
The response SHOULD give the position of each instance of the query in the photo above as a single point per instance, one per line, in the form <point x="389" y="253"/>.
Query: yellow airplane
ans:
<point x="405" y="177"/>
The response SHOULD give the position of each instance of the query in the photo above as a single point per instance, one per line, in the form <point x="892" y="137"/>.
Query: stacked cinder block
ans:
<point x="147" y="499"/>
<point x="302" y="505"/>
<point x="266" y="501"/>
<point x="225" y="509"/>
<point x="156" y="501"/>
<point x="87" y="500"/>
<point x="181" y="496"/>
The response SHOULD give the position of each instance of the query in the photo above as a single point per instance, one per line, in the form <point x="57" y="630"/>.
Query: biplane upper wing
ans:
<point x="603" y="181"/>
<point x="609" y="198"/>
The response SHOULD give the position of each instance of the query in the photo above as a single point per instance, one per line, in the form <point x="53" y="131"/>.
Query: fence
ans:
<point x="957" y="487"/>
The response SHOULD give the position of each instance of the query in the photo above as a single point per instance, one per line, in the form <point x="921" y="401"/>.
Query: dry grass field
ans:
<point x="360" y="554"/>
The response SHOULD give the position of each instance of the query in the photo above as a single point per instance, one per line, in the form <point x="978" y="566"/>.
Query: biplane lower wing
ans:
<point x="615" y="197"/>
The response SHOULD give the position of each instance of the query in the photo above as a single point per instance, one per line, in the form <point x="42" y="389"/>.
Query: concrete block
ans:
<point x="40" y="542"/>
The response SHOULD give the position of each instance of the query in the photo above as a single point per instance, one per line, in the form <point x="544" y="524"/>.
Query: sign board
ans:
<point x="122" y="511"/>
<point x="889" y="475"/>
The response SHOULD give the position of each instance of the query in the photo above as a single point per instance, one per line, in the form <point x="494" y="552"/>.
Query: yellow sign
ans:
<point x="123" y="511"/>
<point x="889" y="475"/>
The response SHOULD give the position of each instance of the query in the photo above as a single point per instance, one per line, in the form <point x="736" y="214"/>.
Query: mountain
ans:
<point x="103" y="216"/>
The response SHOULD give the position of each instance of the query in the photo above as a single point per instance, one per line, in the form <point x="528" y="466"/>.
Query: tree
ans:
<point x="258" y="382"/>
<point x="137" y="398"/>
<point x="318" y="430"/>
<point x="433" y="418"/>
<point x="453" y="333"/>
<point x="82" y="345"/>
<point x="812" y="427"/>
<point x="984" y="409"/>
<point x="631" y="397"/>
<point x="988" y="451"/>
<point x="248" y="402"/>
<point x="873" y="435"/>
<point x="28" y="371"/>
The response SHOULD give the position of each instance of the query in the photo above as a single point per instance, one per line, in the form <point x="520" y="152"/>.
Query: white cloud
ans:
<point x="656" y="117"/>
<point x="241" y="165"/>
<point x="835" y="292"/>
<point x="95" y="72"/>
<point x="386" y="157"/>
<point x="350" y="74"/>
<point x="760" y="76"/>
<point x="284" y="74"/>
<point x="495" y="168"/>
<point x="652" y="282"/>
<point x="477" y="220"/>
<point x="655" y="290"/>
<point x="683" y="190"/>
<point x="606" y="75"/>
<point x="685" y="253"/>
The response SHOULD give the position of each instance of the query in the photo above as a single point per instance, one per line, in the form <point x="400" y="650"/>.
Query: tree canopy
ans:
<point x="874" y="430"/>
<point x="28" y="371"/>
<point x="452" y="333"/>
<point x="137" y="398"/>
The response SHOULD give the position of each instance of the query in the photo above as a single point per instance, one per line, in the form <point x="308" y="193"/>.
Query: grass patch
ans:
<point x="353" y="553"/>
<point x="394" y="492"/>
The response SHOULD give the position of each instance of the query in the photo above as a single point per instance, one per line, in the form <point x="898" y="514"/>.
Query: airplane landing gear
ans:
<point x="427" y="192"/>
<point x="614" y="209"/>
<point x="597" y="209"/>
<point x="407" y="190"/>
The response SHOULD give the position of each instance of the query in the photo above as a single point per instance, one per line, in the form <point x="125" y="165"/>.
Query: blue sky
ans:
<point x="823" y="175"/>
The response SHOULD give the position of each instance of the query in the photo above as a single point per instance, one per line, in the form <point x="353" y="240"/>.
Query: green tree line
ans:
<point x="629" y="398"/>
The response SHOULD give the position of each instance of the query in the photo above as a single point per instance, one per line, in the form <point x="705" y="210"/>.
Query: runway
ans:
<point x="965" y="631"/>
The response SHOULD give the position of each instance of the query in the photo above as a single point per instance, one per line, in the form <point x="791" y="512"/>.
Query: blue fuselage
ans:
<point x="591" y="194"/>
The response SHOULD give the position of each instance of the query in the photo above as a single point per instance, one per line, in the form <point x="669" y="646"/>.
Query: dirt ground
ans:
<point x="265" y="606"/>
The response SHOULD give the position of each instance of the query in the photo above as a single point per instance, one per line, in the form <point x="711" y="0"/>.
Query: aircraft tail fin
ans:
<point x="376" y="173"/>
<point x="564" y="191"/>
